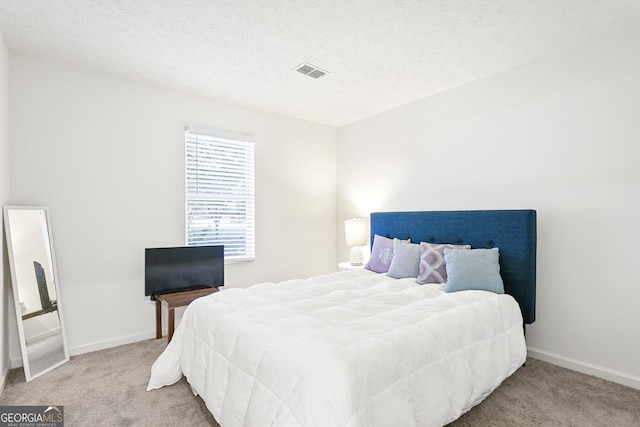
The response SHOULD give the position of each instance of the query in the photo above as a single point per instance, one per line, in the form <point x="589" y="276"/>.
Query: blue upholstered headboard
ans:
<point x="512" y="231"/>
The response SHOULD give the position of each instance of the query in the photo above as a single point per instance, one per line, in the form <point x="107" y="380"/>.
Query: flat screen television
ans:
<point x="182" y="269"/>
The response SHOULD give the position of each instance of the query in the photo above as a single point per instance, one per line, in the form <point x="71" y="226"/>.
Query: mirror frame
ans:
<point x="16" y="295"/>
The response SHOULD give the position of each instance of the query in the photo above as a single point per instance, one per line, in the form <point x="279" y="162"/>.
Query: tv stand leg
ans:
<point x="172" y="322"/>
<point x="158" y="319"/>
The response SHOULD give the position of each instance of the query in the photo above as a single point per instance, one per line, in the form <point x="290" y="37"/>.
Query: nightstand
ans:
<point x="173" y="300"/>
<point x="344" y="266"/>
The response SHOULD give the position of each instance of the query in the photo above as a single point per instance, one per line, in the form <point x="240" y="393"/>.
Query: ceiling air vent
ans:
<point x="310" y="70"/>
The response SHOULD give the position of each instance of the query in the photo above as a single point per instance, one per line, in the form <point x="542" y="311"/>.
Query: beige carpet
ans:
<point x="107" y="388"/>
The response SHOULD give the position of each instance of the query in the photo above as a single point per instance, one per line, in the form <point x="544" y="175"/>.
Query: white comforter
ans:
<point x="352" y="349"/>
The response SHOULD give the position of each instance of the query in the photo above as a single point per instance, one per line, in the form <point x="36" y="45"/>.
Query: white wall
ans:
<point x="5" y="295"/>
<point x="561" y="136"/>
<point x="106" y="155"/>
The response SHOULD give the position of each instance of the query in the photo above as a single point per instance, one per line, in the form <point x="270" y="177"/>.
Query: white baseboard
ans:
<point x="5" y="377"/>
<point x="16" y="363"/>
<point x="44" y="334"/>
<point x="585" y="368"/>
<point x="101" y="345"/>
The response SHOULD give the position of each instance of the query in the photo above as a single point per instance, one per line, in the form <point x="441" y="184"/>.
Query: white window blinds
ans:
<point x="220" y="194"/>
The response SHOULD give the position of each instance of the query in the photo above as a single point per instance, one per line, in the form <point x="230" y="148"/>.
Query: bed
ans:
<point x="358" y="348"/>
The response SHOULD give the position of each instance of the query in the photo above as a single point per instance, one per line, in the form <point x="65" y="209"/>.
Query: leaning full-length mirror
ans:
<point x="35" y="289"/>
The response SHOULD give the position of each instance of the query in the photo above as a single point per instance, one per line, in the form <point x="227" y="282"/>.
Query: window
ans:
<point x="220" y="193"/>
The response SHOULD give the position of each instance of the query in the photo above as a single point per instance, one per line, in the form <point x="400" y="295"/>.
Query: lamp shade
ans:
<point x="355" y="231"/>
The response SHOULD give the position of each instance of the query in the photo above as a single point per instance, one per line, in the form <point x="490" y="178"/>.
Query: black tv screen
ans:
<point x="182" y="269"/>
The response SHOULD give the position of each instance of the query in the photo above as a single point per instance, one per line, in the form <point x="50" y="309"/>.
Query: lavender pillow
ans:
<point x="381" y="254"/>
<point x="433" y="269"/>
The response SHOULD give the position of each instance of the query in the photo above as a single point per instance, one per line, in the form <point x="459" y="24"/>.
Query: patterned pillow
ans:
<point x="381" y="254"/>
<point x="432" y="266"/>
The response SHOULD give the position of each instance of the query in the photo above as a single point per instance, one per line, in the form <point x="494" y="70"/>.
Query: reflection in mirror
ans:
<point x="35" y="289"/>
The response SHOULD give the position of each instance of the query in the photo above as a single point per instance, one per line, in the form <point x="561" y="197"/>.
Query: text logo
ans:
<point x="31" y="416"/>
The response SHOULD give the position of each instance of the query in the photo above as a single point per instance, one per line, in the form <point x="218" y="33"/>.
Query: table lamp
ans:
<point x="355" y="231"/>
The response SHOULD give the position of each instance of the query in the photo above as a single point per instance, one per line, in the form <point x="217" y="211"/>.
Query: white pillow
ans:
<point x="406" y="260"/>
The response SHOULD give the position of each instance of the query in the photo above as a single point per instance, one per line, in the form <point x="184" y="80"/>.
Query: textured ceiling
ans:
<point x="379" y="53"/>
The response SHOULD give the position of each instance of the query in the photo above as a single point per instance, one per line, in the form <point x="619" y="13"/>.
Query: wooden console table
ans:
<point x="176" y="299"/>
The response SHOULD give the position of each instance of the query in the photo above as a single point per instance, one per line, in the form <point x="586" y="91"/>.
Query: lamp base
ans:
<point x="357" y="255"/>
